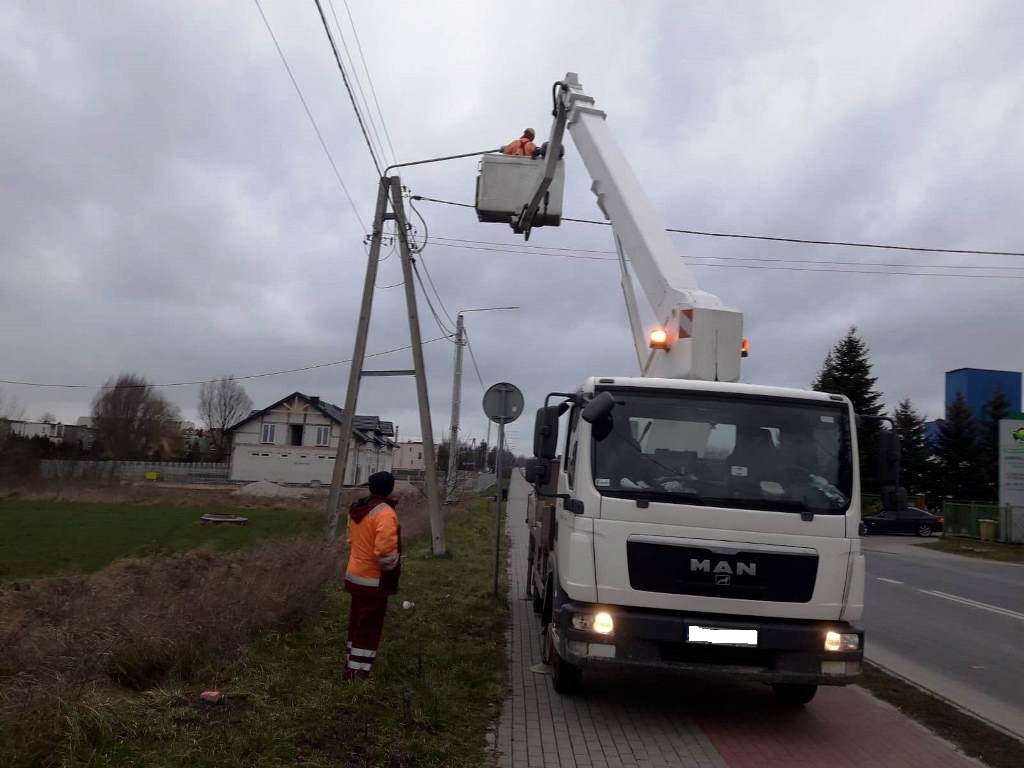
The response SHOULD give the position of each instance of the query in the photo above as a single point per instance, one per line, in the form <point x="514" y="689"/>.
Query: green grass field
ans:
<point x="51" y="538"/>
<point x="437" y="684"/>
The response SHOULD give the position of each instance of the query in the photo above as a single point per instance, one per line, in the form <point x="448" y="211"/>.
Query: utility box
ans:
<point x="506" y="184"/>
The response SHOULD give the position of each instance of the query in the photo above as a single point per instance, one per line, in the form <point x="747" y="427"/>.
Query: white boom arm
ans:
<point x="704" y="338"/>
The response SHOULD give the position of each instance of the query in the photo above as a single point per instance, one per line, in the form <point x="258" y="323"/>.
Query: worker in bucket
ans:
<point x="374" y="565"/>
<point x="523" y="146"/>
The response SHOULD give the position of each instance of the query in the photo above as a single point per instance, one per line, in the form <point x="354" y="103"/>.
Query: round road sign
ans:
<point x="503" y="403"/>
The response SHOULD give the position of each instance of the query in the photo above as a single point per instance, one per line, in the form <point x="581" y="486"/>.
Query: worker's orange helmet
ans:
<point x="528" y="133"/>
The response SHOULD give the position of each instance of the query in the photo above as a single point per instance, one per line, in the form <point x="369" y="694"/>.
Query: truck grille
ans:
<point x="746" y="575"/>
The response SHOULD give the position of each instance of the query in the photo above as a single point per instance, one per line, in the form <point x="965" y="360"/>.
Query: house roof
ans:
<point x="369" y="429"/>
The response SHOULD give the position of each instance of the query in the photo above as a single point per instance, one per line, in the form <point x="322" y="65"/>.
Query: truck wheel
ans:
<point x="794" y="694"/>
<point x="567" y="678"/>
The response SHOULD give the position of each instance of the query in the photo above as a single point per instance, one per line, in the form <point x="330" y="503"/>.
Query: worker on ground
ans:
<point x="523" y="146"/>
<point x="374" y="565"/>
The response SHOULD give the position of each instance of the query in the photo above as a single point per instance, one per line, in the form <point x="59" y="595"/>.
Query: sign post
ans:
<point x="1011" y="478"/>
<point x="503" y="404"/>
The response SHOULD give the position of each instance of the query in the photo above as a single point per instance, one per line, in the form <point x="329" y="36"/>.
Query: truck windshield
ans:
<point x="736" y="451"/>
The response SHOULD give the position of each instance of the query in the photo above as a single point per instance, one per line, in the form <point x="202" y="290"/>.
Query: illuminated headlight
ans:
<point x="600" y="623"/>
<point x="841" y="641"/>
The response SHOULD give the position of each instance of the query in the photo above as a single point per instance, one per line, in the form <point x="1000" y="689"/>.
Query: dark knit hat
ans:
<point x="381" y="484"/>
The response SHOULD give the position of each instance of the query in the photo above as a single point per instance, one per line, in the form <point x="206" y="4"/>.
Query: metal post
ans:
<point x="498" y="464"/>
<point x="453" y="439"/>
<point x="358" y="357"/>
<point x="426" y="430"/>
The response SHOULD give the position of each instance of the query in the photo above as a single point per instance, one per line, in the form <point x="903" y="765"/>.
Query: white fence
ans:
<point x="184" y="471"/>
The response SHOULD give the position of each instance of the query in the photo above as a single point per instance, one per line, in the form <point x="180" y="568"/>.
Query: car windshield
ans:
<point x="736" y="451"/>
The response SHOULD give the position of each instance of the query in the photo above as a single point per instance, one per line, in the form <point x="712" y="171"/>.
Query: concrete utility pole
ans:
<point x="390" y="187"/>
<point x="453" y="438"/>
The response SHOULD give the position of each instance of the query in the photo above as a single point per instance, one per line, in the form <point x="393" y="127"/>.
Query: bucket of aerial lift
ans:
<point x="506" y="184"/>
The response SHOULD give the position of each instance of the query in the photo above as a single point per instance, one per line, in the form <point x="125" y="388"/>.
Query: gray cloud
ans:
<point x="165" y="206"/>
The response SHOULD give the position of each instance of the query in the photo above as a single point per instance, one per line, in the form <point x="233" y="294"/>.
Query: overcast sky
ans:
<point x="166" y="208"/>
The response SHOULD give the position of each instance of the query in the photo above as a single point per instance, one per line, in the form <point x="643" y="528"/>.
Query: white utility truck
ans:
<point x="680" y="521"/>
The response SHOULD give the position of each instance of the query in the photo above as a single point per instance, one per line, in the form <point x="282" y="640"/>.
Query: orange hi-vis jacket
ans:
<point x="522" y="147"/>
<point x="373" y="540"/>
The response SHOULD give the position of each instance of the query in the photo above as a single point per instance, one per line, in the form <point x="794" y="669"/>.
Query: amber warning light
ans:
<point x="745" y="348"/>
<point x="658" y="339"/>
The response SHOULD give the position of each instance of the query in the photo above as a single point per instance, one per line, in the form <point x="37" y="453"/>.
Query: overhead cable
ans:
<point x="348" y="87"/>
<point x="210" y="381"/>
<point x="773" y="238"/>
<point x="696" y="261"/>
<point x="359" y="85"/>
<point x="569" y="253"/>
<point x="309" y="114"/>
<point x="369" y="79"/>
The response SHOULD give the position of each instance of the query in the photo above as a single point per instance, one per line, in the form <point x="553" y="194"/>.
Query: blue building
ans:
<point x="978" y="385"/>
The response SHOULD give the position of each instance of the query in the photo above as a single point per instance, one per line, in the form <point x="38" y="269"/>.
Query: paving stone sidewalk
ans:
<point x="616" y="723"/>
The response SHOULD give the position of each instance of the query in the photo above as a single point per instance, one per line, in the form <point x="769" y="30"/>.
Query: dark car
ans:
<point x="910" y="520"/>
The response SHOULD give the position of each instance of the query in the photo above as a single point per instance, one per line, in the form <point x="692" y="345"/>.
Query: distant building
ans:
<point x="295" y="440"/>
<point x="56" y="432"/>
<point x="978" y="385"/>
<point x="409" y="455"/>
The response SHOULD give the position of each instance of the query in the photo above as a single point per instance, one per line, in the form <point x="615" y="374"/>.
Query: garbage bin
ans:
<point x="987" y="528"/>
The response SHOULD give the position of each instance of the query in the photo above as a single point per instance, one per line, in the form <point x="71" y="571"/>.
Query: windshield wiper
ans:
<point x="781" y="505"/>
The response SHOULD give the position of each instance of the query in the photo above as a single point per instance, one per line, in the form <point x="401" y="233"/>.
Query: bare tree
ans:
<point x="134" y="421"/>
<point x="10" y="408"/>
<point x="48" y="418"/>
<point x="222" y="403"/>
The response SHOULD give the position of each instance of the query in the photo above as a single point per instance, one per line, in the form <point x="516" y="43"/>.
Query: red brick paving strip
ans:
<point x="841" y="728"/>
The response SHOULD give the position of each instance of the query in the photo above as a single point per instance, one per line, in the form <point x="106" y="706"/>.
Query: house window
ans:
<point x="268" y="433"/>
<point x="323" y="435"/>
<point x="295" y="434"/>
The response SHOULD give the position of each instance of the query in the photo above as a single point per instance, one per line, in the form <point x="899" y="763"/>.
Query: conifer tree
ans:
<point x="913" y="447"/>
<point x="956" y="452"/>
<point x="846" y="370"/>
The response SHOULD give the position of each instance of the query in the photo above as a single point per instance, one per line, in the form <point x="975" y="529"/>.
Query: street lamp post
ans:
<point x="453" y="437"/>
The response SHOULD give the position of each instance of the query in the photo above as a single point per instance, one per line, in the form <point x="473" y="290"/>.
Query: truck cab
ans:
<point x="698" y="527"/>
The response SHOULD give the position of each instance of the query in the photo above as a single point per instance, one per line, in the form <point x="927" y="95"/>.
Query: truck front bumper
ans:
<point x="787" y="651"/>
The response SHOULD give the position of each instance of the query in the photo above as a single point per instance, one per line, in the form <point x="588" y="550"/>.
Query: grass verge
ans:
<point x="50" y="538"/>
<point x="987" y="550"/>
<point x="437" y="687"/>
<point x="974" y="737"/>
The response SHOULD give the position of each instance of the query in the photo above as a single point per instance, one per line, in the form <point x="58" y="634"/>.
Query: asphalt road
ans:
<point x="952" y="624"/>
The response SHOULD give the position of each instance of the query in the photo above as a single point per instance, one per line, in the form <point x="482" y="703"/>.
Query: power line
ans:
<point x="516" y="246"/>
<point x="369" y="79"/>
<point x="691" y="260"/>
<point x="426" y="295"/>
<point x="472" y="357"/>
<point x="309" y="114"/>
<point x="210" y="381"/>
<point x="344" y="77"/>
<point x="773" y="238"/>
<point x="359" y="85"/>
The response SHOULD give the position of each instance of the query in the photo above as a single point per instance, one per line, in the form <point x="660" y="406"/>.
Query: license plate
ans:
<point x="717" y="636"/>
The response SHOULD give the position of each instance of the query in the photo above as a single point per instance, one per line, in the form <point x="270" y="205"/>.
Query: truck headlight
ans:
<point x="841" y="641"/>
<point x="600" y="623"/>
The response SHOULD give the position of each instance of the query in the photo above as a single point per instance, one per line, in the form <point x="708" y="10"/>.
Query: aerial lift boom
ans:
<point x="702" y="338"/>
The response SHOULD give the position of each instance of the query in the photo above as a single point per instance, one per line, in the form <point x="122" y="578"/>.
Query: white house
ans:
<point x="409" y="455"/>
<point x="295" y="440"/>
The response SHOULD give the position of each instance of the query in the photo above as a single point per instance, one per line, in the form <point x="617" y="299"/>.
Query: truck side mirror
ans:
<point x="598" y="408"/>
<point x="536" y="472"/>
<point x="545" y="431"/>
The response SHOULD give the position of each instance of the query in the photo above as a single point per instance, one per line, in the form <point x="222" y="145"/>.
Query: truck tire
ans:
<point x="567" y="678"/>
<point x="794" y="694"/>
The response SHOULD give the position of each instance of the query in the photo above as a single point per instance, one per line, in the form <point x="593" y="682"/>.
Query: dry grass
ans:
<point x="138" y="622"/>
<point x="70" y="644"/>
